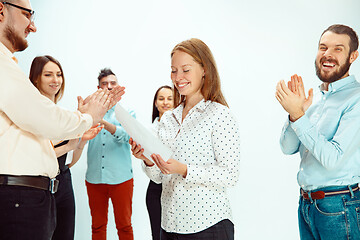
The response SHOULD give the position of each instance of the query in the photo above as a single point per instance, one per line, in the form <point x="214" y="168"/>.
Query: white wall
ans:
<point x="256" y="43"/>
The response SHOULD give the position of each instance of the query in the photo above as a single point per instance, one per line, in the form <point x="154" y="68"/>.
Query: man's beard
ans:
<point x="332" y="77"/>
<point x="19" y="44"/>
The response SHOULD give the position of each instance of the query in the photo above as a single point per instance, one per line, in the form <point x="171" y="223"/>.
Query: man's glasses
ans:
<point x="31" y="15"/>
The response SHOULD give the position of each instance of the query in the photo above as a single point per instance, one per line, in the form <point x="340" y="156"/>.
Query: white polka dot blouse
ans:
<point x="208" y="142"/>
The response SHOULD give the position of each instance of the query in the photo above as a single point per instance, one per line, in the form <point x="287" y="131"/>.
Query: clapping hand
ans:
<point x="292" y="97"/>
<point x="296" y="85"/>
<point x="92" y="132"/>
<point x="98" y="103"/>
<point x="115" y="95"/>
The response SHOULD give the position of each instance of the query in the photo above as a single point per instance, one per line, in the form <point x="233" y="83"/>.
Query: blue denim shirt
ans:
<point x="108" y="156"/>
<point x="328" y="137"/>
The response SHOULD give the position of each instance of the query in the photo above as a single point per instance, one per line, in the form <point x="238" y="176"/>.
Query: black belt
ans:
<point x="39" y="182"/>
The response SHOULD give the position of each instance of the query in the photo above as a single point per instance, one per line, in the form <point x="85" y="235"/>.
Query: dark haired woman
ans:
<point x="163" y="101"/>
<point x="47" y="76"/>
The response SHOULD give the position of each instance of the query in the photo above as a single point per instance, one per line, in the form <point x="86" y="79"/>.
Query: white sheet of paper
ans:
<point x="141" y="135"/>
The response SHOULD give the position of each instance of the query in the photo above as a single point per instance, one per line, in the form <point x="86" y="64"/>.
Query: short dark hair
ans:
<point x="104" y="73"/>
<point x="343" y="29"/>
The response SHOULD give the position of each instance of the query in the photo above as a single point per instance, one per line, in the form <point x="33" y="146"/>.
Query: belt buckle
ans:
<point x="313" y="195"/>
<point x="318" y="195"/>
<point x="53" y="185"/>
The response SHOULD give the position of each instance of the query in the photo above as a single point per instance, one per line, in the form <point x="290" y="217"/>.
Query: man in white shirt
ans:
<point x="28" y="120"/>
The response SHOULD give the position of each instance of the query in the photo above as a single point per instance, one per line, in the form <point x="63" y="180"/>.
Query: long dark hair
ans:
<point x="36" y="69"/>
<point x="156" y="113"/>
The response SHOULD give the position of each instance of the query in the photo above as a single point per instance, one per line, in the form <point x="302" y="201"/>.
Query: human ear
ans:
<point x="353" y="56"/>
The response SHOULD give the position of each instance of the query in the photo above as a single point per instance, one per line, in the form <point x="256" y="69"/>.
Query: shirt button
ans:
<point x="103" y="144"/>
<point x="301" y="169"/>
<point x="17" y="205"/>
<point x="102" y="156"/>
<point x="102" y="167"/>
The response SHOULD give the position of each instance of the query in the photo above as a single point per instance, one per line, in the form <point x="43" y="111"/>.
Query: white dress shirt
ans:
<point x="28" y="120"/>
<point x="208" y="142"/>
<point x="155" y="125"/>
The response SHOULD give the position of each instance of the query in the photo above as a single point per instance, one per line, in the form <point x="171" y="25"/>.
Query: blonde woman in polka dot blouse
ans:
<point x="204" y="138"/>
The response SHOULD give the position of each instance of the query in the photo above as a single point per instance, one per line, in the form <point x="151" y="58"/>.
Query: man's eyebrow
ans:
<point x="337" y="45"/>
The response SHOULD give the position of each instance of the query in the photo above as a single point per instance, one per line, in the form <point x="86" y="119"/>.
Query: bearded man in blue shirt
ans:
<point x="327" y="136"/>
<point x="109" y="173"/>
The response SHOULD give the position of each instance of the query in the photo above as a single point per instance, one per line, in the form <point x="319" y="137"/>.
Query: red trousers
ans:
<point x="121" y="198"/>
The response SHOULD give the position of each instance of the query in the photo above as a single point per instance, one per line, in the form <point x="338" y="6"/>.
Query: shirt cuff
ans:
<point x="146" y="167"/>
<point x="301" y="125"/>
<point x="195" y="174"/>
<point x="152" y="172"/>
<point x="117" y="132"/>
<point x="120" y="134"/>
<point x="88" y="118"/>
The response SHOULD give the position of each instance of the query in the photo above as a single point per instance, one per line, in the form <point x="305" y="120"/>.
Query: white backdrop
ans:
<point x="256" y="43"/>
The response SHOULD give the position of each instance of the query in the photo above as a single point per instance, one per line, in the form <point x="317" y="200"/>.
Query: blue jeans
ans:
<point x="334" y="217"/>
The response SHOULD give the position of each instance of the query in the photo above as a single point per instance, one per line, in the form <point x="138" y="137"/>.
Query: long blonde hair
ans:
<point x="211" y="89"/>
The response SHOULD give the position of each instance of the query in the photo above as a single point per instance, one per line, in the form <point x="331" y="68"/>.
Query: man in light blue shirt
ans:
<point x="109" y="173"/>
<point x="327" y="136"/>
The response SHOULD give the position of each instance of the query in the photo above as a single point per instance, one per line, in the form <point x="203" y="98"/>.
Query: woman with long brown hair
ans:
<point x="163" y="101"/>
<point x="47" y="76"/>
<point x="204" y="138"/>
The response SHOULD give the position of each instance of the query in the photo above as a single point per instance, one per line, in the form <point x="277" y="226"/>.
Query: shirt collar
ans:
<point x="339" y="84"/>
<point x="201" y="106"/>
<point x="4" y="50"/>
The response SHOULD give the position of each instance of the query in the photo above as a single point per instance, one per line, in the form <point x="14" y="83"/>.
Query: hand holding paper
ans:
<point x="138" y="152"/>
<point x="141" y="135"/>
<point x="171" y="166"/>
